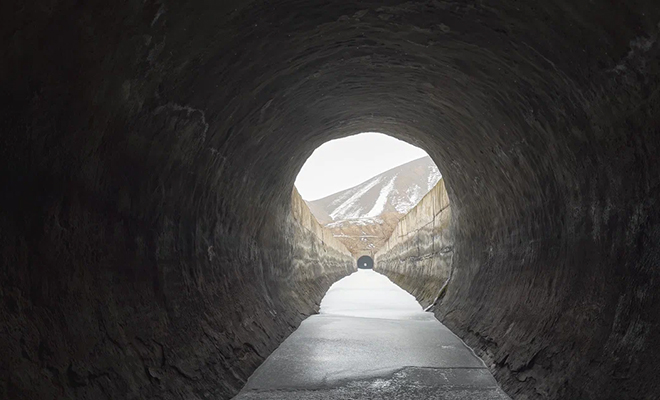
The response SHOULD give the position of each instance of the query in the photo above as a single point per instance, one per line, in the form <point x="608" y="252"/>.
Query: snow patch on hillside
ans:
<point x="347" y="209"/>
<point x="434" y="177"/>
<point x="403" y="204"/>
<point x="384" y="195"/>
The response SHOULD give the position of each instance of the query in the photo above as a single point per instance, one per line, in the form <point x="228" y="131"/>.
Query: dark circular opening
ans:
<point x="365" y="262"/>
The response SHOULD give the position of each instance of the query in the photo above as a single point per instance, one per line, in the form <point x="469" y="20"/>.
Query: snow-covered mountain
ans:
<point x="394" y="191"/>
<point x="363" y="217"/>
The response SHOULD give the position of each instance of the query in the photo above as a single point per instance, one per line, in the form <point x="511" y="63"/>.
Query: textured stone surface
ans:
<point x="166" y="314"/>
<point x="149" y="149"/>
<point x="408" y="383"/>
<point x="372" y="341"/>
<point x="418" y="255"/>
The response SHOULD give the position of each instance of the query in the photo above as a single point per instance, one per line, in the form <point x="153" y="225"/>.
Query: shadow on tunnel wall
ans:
<point x="149" y="150"/>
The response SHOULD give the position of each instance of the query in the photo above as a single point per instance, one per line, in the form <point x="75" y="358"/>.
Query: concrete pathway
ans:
<point x="371" y="340"/>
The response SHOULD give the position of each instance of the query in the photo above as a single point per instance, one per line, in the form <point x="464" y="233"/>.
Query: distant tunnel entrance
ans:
<point x="365" y="262"/>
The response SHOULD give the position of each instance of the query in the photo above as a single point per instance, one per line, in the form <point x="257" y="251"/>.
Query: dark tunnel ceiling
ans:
<point x="150" y="151"/>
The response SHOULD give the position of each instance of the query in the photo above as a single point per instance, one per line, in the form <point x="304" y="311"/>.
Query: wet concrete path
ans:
<point x="371" y="340"/>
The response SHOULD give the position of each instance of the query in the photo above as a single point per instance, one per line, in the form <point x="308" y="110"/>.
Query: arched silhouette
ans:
<point x="365" y="262"/>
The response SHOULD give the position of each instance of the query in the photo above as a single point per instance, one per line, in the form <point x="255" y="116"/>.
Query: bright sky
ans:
<point x="343" y="163"/>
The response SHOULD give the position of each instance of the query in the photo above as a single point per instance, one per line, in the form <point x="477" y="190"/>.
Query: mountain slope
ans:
<point x="364" y="216"/>
<point x="396" y="190"/>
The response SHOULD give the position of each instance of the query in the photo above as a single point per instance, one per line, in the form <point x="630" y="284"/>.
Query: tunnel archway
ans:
<point x="365" y="262"/>
<point x="361" y="186"/>
<point x="149" y="154"/>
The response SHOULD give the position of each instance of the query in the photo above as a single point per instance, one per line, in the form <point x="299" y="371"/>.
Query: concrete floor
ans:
<point x="371" y="340"/>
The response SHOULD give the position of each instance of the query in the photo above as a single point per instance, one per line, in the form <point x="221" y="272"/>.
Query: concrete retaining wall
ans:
<point x="316" y="253"/>
<point x="421" y="247"/>
<point x="301" y="213"/>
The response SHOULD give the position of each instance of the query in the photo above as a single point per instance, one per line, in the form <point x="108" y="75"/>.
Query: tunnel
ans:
<point x="365" y="262"/>
<point x="149" y="151"/>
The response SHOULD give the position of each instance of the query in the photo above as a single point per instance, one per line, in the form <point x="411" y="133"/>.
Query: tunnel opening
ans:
<point x="151" y="243"/>
<point x="365" y="262"/>
<point x="360" y="187"/>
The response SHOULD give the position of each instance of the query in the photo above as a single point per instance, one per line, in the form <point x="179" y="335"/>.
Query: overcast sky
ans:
<point x="343" y="163"/>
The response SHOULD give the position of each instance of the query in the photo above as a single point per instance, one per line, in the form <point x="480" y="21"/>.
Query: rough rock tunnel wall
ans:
<point x="149" y="150"/>
<point x="418" y="254"/>
<point x="183" y="309"/>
